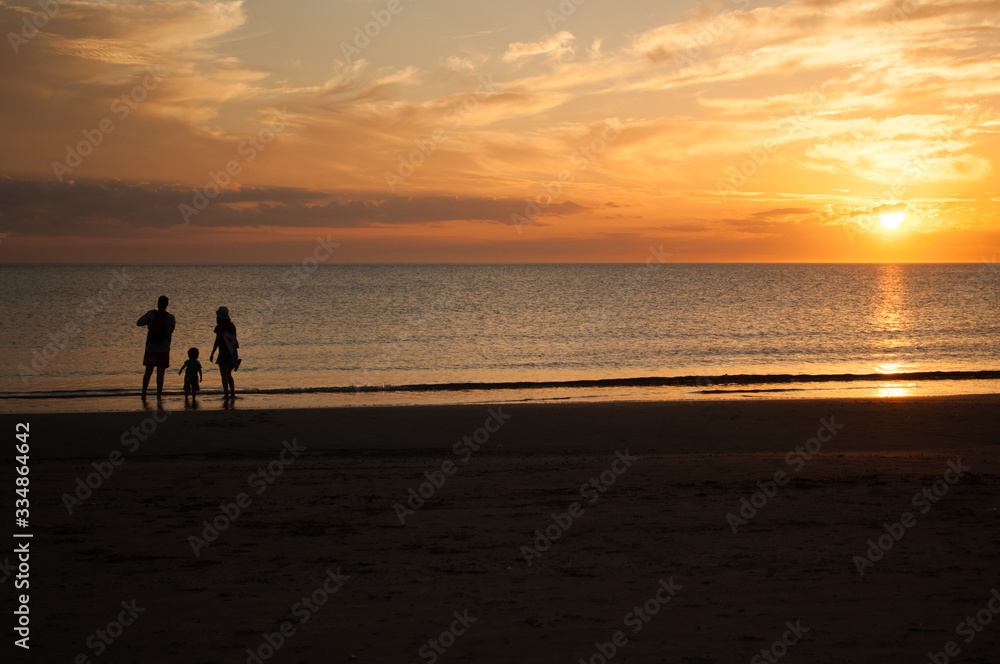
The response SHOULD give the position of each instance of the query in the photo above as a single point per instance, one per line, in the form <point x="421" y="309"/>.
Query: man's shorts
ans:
<point x="159" y="360"/>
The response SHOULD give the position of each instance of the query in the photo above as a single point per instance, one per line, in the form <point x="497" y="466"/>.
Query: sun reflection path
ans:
<point x="884" y="390"/>
<point x="889" y="322"/>
<point x="892" y="367"/>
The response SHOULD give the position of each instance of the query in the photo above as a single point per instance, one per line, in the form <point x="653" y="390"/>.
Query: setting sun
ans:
<point x="892" y="220"/>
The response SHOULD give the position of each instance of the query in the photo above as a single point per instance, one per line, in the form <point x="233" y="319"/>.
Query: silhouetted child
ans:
<point x="193" y="375"/>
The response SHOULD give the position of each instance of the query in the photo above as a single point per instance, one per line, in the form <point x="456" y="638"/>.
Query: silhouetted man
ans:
<point x="159" y="329"/>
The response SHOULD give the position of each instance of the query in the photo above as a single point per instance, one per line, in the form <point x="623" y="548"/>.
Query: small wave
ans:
<point x="753" y="391"/>
<point x="713" y="382"/>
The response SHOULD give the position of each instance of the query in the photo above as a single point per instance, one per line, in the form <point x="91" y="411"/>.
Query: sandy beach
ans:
<point x="405" y="534"/>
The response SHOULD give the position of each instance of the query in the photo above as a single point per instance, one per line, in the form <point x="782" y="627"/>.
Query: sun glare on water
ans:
<point x="892" y="220"/>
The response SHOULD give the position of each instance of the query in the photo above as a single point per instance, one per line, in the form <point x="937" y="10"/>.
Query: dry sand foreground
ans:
<point x="663" y="519"/>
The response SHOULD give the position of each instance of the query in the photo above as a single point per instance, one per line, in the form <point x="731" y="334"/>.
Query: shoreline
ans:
<point x="700" y="381"/>
<point x="889" y="424"/>
<point x="210" y="400"/>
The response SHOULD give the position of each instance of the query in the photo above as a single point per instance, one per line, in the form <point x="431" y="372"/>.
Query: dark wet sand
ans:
<point x="663" y="518"/>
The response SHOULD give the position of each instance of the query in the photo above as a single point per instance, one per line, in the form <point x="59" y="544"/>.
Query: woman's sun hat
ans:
<point x="222" y="312"/>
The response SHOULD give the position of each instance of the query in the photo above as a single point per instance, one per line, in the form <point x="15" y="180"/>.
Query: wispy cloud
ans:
<point x="556" y="47"/>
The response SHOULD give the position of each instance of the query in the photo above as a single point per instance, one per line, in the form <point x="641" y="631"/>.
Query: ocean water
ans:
<point x="402" y="333"/>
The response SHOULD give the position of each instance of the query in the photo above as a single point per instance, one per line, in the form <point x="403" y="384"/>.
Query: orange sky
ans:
<point x="523" y="131"/>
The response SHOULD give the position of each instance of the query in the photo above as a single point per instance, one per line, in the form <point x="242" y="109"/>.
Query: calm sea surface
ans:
<point x="68" y="330"/>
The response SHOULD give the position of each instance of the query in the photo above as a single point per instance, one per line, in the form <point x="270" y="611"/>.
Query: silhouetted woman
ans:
<point x="226" y="344"/>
